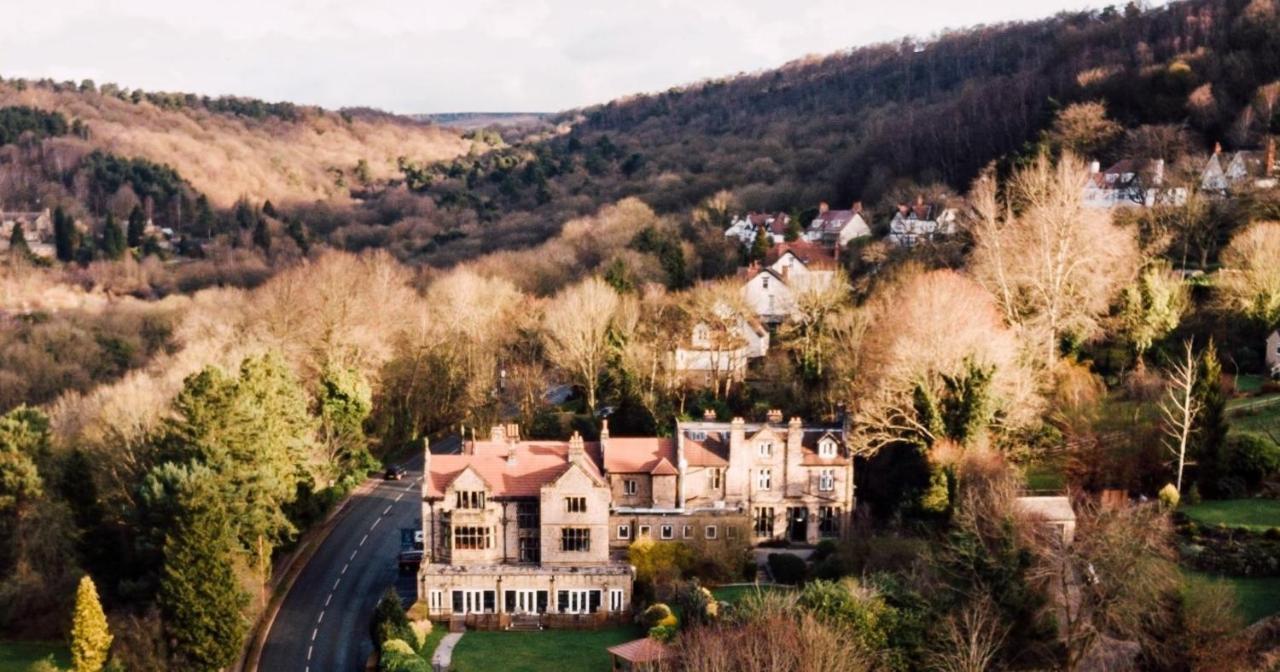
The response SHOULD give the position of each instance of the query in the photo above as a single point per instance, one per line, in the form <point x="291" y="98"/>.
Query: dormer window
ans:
<point x="827" y="448"/>
<point x="470" y="499"/>
<point x="698" y="436"/>
<point x="575" y="504"/>
<point x="766" y="449"/>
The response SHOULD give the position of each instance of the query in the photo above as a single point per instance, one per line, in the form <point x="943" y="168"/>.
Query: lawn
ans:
<point x="1260" y="418"/>
<point x="1257" y="597"/>
<point x="1252" y="513"/>
<point x="1043" y="477"/>
<point x="18" y="656"/>
<point x="546" y="651"/>
<point x="732" y="594"/>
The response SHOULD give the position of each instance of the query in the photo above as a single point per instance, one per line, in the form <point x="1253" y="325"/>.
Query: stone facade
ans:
<point x="535" y="529"/>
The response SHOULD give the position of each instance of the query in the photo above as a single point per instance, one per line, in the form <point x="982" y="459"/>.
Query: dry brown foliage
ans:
<point x="226" y="156"/>
<point x="1052" y="263"/>
<point x="1249" y="281"/>
<point x="926" y="326"/>
<point x="775" y="640"/>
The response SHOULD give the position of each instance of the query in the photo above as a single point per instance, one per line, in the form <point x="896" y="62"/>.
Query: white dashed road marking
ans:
<point x="344" y="568"/>
<point x="327" y="599"/>
<point x="353" y="555"/>
<point x="386" y="510"/>
<point x="318" y="620"/>
<point x="375" y="524"/>
<point x="399" y="496"/>
<point x="335" y="584"/>
<point x="366" y="538"/>
<point x="314" y="632"/>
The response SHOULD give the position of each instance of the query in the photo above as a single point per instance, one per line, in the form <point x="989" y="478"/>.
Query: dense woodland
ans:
<point x="328" y="311"/>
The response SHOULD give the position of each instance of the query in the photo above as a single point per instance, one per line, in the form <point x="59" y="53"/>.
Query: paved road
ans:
<point x="323" y="625"/>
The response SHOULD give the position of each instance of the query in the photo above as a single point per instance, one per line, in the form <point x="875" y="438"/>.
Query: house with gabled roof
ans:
<point x="837" y="228"/>
<point x="921" y="222"/>
<point x="746" y="227"/>
<point x="534" y="533"/>
<point x="1223" y="173"/>
<point x="770" y="290"/>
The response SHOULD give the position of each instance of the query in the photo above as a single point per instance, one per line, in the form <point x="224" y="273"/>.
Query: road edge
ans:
<point x="293" y="565"/>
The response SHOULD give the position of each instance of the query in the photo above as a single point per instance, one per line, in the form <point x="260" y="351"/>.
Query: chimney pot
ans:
<point x="709" y="415"/>
<point x="775" y="415"/>
<point x="823" y="207"/>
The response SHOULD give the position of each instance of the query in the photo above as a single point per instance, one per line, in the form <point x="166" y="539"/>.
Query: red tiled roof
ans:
<point x="642" y="651"/>
<point x="536" y="464"/>
<point x="626" y="455"/>
<point x="713" y="451"/>
<point x="664" y="468"/>
<point x="809" y="253"/>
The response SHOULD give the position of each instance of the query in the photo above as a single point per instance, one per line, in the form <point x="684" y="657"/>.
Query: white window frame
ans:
<point x="765" y="449"/>
<point x="667" y="531"/>
<point x="624" y="531"/>
<point x="717" y="478"/>
<point x="764" y="479"/>
<point x="687" y="532"/>
<point x="579" y="601"/>
<point x="616" y="597"/>
<point x="827" y="449"/>
<point x="629" y="486"/>
<point x="435" y="600"/>
<point x="827" y="480"/>
<point x="710" y="532"/>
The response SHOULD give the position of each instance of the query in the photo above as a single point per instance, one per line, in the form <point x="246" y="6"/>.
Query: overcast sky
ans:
<point x="469" y="55"/>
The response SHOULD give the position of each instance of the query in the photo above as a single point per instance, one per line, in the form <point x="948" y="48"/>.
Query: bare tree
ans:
<point x="576" y="332"/>
<point x="719" y="319"/>
<point x="1052" y="263"/>
<point x="814" y="316"/>
<point x="922" y="329"/>
<point x="1181" y="406"/>
<point x="1250" y="277"/>
<point x="971" y="639"/>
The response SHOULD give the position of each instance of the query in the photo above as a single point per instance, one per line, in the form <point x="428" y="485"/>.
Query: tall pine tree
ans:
<point x="200" y="598"/>
<point x="64" y="235"/>
<point x="18" y="241"/>
<point x="90" y="636"/>
<point x="113" y="240"/>
<point x="1211" y="425"/>
<point x="137" y="226"/>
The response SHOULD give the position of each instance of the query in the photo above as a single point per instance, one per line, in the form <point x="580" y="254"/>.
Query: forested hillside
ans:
<point x="230" y="147"/>
<point x="878" y="122"/>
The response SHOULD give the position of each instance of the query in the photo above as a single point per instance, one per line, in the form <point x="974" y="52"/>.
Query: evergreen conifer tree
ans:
<point x="113" y="240"/>
<point x="90" y="636"/>
<point x="64" y="235"/>
<point x="18" y="241"/>
<point x="200" y="598"/>
<point x="262" y="235"/>
<point x="137" y="226"/>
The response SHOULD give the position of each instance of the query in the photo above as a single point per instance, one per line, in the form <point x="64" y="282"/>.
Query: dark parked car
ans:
<point x="394" y="472"/>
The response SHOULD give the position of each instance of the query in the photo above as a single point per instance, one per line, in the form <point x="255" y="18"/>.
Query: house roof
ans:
<point x="810" y="254"/>
<point x="535" y="464"/>
<point x="711" y="450"/>
<point x="642" y="651"/>
<point x="645" y="455"/>
<point x="776" y="222"/>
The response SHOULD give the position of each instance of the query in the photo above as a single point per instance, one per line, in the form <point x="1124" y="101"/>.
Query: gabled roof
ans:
<point x="535" y="464"/>
<point x="627" y="455"/>
<point x="712" y="450"/>
<point x="809" y="254"/>
<point x="664" y="468"/>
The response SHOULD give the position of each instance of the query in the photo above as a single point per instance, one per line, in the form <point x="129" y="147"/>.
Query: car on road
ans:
<point x="410" y="559"/>
<point x="394" y="472"/>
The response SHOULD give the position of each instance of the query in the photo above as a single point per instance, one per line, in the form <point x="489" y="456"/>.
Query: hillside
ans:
<point x="877" y="123"/>
<point x="227" y="150"/>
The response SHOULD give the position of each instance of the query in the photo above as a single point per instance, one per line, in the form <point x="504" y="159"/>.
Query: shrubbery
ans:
<point x="787" y="568"/>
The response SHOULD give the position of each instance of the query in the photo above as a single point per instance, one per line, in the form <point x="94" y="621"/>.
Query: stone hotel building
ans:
<point x="529" y="530"/>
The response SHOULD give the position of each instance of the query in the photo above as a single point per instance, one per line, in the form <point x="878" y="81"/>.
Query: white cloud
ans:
<point x="433" y="56"/>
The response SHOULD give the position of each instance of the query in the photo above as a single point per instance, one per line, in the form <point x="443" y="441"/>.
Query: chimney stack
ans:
<point x="709" y="415"/>
<point x="577" y="449"/>
<point x="497" y="434"/>
<point x="1095" y="167"/>
<point x="775" y="415"/>
<point x="857" y="207"/>
<point x="823" y="207"/>
<point x="1217" y="148"/>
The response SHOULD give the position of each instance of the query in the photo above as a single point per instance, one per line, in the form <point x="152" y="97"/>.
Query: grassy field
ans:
<point x="18" y="656"/>
<point x="732" y="594"/>
<point x="546" y="651"/>
<point x="1259" y="419"/>
<point x="1257" y="597"/>
<point x="1252" y="513"/>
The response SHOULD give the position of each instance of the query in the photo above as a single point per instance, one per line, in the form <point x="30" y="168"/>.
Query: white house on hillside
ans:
<point x="745" y="227"/>
<point x="770" y="291"/>
<point x="1222" y="174"/>
<point x="921" y="223"/>
<point x="717" y="353"/>
<point x="837" y="228"/>
<point x="1130" y="182"/>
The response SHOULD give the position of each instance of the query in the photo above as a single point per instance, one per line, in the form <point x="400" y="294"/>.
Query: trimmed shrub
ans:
<point x="658" y="615"/>
<point x="1252" y="458"/>
<point x="1169" y="497"/>
<point x="787" y="568"/>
